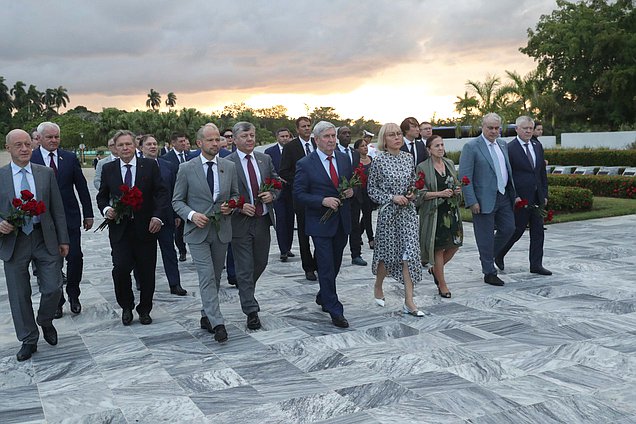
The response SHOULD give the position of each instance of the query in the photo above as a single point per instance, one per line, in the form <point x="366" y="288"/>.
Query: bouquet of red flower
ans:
<point x="538" y="209"/>
<point x="357" y="179"/>
<point x="130" y="201"/>
<point x="236" y="203"/>
<point x="23" y="207"/>
<point x="270" y="184"/>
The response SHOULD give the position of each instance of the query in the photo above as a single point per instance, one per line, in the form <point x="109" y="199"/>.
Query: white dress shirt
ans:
<point x="257" y="171"/>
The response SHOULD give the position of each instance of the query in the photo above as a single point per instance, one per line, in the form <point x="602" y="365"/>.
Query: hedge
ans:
<point x="600" y="185"/>
<point x="569" y="199"/>
<point x="582" y="157"/>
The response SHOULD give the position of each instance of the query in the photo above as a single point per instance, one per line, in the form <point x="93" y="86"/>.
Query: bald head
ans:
<point x="18" y="144"/>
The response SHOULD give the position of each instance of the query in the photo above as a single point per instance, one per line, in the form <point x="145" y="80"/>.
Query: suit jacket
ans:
<point x="420" y="150"/>
<point x="69" y="174"/>
<point x="275" y="153"/>
<point x="192" y="193"/>
<point x="312" y="185"/>
<point x="97" y="180"/>
<point x="529" y="180"/>
<point x="53" y="220"/>
<point x="172" y="157"/>
<point x="155" y="197"/>
<point x="292" y="153"/>
<point x="476" y="164"/>
<point x="168" y="173"/>
<point x="266" y="169"/>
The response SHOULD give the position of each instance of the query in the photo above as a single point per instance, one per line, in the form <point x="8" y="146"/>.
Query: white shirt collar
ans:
<point x="132" y="162"/>
<point x="45" y="153"/>
<point x="15" y="168"/>
<point x="204" y="161"/>
<point x="242" y="154"/>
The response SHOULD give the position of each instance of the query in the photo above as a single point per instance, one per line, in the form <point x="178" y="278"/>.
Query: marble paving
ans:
<point x="558" y="349"/>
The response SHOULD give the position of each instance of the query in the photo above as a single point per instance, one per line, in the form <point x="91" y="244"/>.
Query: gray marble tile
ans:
<point x="414" y="411"/>
<point x="20" y="405"/>
<point x="113" y="416"/>
<point x="362" y="417"/>
<point x="139" y="407"/>
<point x="580" y="378"/>
<point x="373" y="395"/>
<point x="218" y="401"/>
<point x="471" y="402"/>
<point x="434" y="382"/>
<point x="309" y="355"/>
<point x="15" y="374"/>
<point x="210" y="380"/>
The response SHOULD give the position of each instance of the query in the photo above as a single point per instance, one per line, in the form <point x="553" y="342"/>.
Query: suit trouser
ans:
<point x="284" y="209"/>
<point x="366" y="222"/>
<point x="141" y="255"/>
<point x="230" y="269"/>
<point x="355" y="238"/>
<point x="168" y="254"/>
<point x="74" y="264"/>
<point x="208" y="258"/>
<point x="178" y="238"/>
<point x="522" y="218"/>
<point x="307" y="259"/>
<point x="329" y="258"/>
<point x="489" y="242"/>
<point x="31" y="248"/>
<point x="251" y="252"/>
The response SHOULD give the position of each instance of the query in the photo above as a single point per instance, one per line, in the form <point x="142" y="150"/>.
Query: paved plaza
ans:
<point x="558" y="349"/>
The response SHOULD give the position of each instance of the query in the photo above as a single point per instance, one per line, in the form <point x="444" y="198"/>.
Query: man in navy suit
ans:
<point x="490" y="194"/>
<point x="411" y="131"/>
<point x="531" y="182"/>
<point x="149" y="147"/>
<point x="68" y="174"/>
<point x="316" y="190"/>
<point x="283" y="205"/>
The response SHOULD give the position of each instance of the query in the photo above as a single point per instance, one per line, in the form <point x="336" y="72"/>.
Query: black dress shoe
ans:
<point x="205" y="324"/>
<point x="76" y="306"/>
<point x="50" y="334"/>
<point x="311" y="275"/>
<point x="493" y="280"/>
<point x="178" y="290"/>
<point x="253" y="322"/>
<point x="319" y="303"/>
<point x="283" y="257"/>
<point x="144" y="318"/>
<point x="358" y="261"/>
<point x="126" y="316"/>
<point x="220" y="334"/>
<point x="26" y="351"/>
<point x="182" y="256"/>
<point x="290" y="254"/>
<point x="541" y="271"/>
<point x="340" y="321"/>
<point x="58" y="313"/>
<point x="231" y="281"/>
<point x="499" y="261"/>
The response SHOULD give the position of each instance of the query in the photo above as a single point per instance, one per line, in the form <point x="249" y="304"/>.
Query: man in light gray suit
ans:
<point x="204" y="186"/>
<point x="250" y="225"/>
<point x="43" y="239"/>
<point x="490" y="194"/>
<point x="97" y="179"/>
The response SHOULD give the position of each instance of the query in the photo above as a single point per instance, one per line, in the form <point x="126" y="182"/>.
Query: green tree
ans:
<point x="171" y="100"/>
<point x="34" y="99"/>
<point x="154" y="100"/>
<point x="60" y="98"/>
<point x="587" y="49"/>
<point x="467" y="105"/>
<point x="19" y="95"/>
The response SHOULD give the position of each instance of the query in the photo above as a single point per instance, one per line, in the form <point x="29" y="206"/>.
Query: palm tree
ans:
<point x="171" y="101"/>
<point x="490" y="97"/>
<point x="5" y="97"/>
<point x="34" y="98"/>
<point x="60" y="97"/>
<point x="466" y="105"/>
<point x="19" y="95"/>
<point x="154" y="100"/>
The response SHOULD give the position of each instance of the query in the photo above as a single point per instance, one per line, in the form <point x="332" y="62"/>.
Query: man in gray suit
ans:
<point x="97" y="179"/>
<point x="490" y="194"/>
<point x="43" y="239"/>
<point x="204" y="186"/>
<point x="250" y="225"/>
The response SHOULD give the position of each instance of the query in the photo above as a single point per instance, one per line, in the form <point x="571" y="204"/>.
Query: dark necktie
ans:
<point x="332" y="172"/>
<point x="210" y="177"/>
<point x="254" y="185"/>
<point x="413" y="152"/>
<point x="181" y="158"/>
<point x="307" y="151"/>
<point x="527" y="146"/>
<point x="52" y="164"/>
<point x="128" y="176"/>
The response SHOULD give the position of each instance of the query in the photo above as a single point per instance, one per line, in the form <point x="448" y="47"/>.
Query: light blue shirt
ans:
<point x="17" y="183"/>
<point x="500" y="156"/>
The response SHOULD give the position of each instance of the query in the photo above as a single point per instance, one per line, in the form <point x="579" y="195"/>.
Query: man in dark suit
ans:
<point x="134" y="239"/>
<point x="490" y="194"/>
<point x="294" y="151"/>
<point x="179" y="154"/>
<point x="355" y="238"/>
<point x="203" y="188"/>
<point x="68" y="174"/>
<point x="531" y="182"/>
<point x="411" y="131"/>
<point x="250" y="224"/>
<point x="316" y="189"/>
<point x="149" y="148"/>
<point x="283" y="205"/>
<point x="43" y="239"/>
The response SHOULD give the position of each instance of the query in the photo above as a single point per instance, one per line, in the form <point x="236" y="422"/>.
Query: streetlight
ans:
<point x="82" y="147"/>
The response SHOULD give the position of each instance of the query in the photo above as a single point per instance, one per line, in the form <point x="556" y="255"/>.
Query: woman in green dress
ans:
<point x="441" y="232"/>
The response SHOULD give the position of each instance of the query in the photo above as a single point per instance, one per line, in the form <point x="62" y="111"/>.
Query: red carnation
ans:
<point x="26" y="195"/>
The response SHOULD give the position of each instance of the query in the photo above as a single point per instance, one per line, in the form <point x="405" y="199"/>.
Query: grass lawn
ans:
<point x="603" y="207"/>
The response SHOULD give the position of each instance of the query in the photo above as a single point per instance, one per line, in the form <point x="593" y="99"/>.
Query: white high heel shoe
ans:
<point x="415" y="313"/>
<point x="379" y="302"/>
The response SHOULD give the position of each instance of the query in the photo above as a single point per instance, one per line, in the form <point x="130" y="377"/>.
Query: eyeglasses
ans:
<point x="228" y="135"/>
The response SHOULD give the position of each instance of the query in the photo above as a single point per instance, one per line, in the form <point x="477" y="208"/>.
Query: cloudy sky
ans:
<point x="382" y="59"/>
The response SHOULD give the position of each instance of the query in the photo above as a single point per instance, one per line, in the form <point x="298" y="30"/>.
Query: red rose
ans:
<point x="241" y="202"/>
<point x="16" y="203"/>
<point x="124" y="188"/>
<point x="419" y="184"/>
<point x="549" y="216"/>
<point x="465" y="180"/>
<point x="521" y="204"/>
<point x="29" y="207"/>
<point x="40" y="208"/>
<point x="26" y="195"/>
<point x="277" y="184"/>
<point x="231" y="204"/>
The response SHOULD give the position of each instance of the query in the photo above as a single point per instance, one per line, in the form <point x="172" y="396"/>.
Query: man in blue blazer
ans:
<point x="68" y="174"/>
<point x="283" y="205"/>
<point x="531" y="182"/>
<point x="490" y="194"/>
<point x="316" y="189"/>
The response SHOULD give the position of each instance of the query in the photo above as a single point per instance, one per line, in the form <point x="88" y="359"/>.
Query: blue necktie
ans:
<point x="128" y="176"/>
<point x="27" y="228"/>
<point x="500" y="182"/>
<point x="210" y="177"/>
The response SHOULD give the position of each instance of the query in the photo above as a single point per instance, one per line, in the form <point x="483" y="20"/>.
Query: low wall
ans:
<point x="456" y="144"/>
<point x="613" y="140"/>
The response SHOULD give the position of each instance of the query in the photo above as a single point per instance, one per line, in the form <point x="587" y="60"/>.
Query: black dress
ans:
<point x="447" y="223"/>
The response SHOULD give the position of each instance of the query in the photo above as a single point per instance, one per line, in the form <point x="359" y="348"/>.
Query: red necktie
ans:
<point x="254" y="185"/>
<point x="332" y="172"/>
<point x="52" y="164"/>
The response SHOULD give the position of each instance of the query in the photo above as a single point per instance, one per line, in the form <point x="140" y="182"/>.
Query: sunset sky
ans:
<point x="380" y="59"/>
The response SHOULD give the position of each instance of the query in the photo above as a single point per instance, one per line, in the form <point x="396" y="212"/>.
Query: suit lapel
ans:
<point x="481" y="145"/>
<point x="241" y="173"/>
<point x="38" y="178"/>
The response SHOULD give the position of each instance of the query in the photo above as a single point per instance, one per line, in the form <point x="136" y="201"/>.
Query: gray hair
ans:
<point x="241" y="127"/>
<point x="45" y="125"/>
<point x="321" y="127"/>
<point x="121" y="133"/>
<point x="528" y="120"/>
<point x="492" y="116"/>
